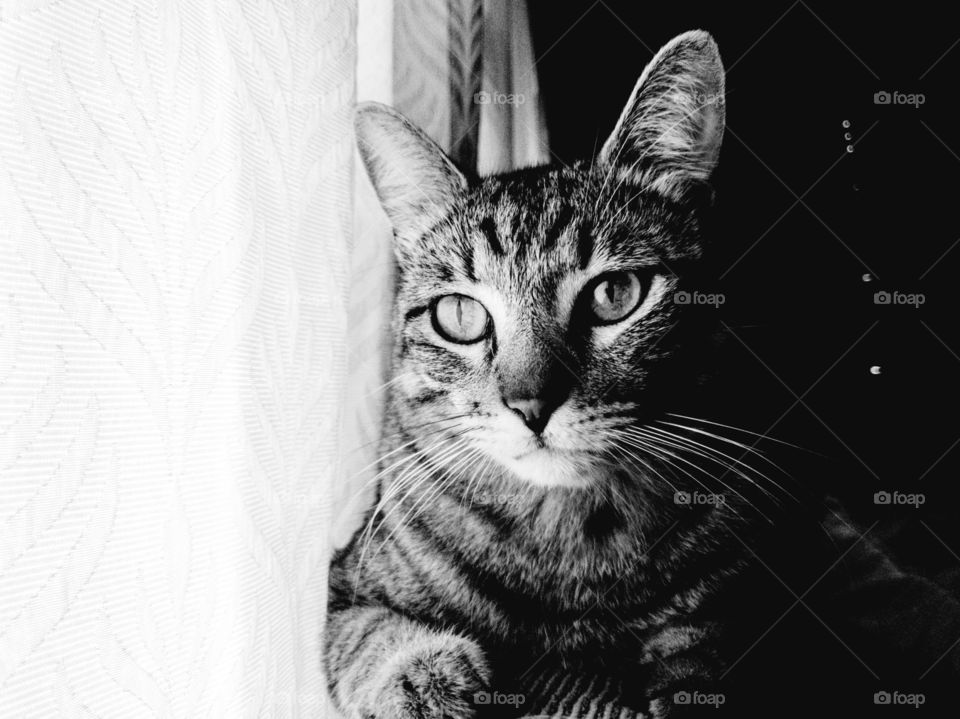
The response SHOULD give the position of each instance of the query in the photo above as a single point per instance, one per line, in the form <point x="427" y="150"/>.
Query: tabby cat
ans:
<point x="535" y="508"/>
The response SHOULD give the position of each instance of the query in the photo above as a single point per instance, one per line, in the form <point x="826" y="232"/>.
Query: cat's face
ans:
<point x="536" y="310"/>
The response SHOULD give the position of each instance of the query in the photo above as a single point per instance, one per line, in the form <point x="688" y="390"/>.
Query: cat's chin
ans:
<point x="546" y="467"/>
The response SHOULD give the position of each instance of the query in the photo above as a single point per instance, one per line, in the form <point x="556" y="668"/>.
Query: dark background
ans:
<point x="808" y="231"/>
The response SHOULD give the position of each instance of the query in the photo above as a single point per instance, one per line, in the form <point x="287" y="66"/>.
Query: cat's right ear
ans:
<point x="671" y="129"/>
<point x="415" y="181"/>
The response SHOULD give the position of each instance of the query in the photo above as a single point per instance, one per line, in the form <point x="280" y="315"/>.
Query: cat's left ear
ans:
<point x="673" y="123"/>
<point x="415" y="181"/>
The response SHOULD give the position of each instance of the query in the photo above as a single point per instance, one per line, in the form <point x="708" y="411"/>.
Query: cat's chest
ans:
<point x="563" y="579"/>
<point x="565" y="592"/>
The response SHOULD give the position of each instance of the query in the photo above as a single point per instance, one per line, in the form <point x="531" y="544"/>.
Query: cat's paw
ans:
<point x="433" y="678"/>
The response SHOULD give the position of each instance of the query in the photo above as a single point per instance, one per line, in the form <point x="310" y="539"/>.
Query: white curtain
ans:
<point x="175" y="215"/>
<point x="194" y="296"/>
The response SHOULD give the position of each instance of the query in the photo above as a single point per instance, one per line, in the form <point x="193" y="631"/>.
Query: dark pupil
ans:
<point x="460" y="312"/>
<point x="612" y="292"/>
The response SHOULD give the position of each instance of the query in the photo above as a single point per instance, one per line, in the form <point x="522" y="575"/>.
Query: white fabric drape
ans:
<point x="513" y="127"/>
<point x="371" y="285"/>
<point x="175" y="217"/>
<point x="193" y="329"/>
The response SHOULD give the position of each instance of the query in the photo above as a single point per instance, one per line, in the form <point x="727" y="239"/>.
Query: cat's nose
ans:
<point x="533" y="412"/>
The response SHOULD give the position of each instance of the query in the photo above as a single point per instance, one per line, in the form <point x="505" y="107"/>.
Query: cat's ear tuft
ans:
<point x="415" y="181"/>
<point x="671" y="129"/>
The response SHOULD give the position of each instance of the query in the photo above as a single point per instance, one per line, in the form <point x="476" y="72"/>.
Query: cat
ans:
<point x="534" y="507"/>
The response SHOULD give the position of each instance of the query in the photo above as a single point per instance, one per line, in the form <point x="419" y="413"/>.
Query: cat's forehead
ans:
<point x="568" y="219"/>
<point x="531" y="233"/>
<point x="527" y="221"/>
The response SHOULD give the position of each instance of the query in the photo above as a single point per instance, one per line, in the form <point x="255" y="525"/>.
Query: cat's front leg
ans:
<point x="381" y="665"/>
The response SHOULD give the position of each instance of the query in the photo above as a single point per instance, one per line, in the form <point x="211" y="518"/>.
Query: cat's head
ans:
<point x="538" y="309"/>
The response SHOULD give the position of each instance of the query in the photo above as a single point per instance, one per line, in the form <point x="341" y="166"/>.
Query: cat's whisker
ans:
<point x="379" y="460"/>
<point x="661" y="441"/>
<point x="470" y="493"/>
<point x="649" y="445"/>
<point x="732" y="469"/>
<point x="406" y="430"/>
<point x="363" y="487"/>
<point x="453" y="474"/>
<point x="735" y="429"/>
<point x="399" y="463"/>
<point x="645" y="467"/>
<point x="699" y="450"/>
<point x="408" y="480"/>
<point x="384" y="499"/>
<point x="646" y="448"/>
<point x="668" y="458"/>
<point x="464" y="451"/>
<point x="619" y="497"/>
<point x="747" y="450"/>
<point x="400" y="482"/>
<point x="659" y="444"/>
<point x="713" y="452"/>
<point x="477" y="477"/>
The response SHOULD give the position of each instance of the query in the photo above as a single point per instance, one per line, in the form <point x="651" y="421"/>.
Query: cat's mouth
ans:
<point x="539" y="445"/>
<point x="540" y="449"/>
<point x="549" y="465"/>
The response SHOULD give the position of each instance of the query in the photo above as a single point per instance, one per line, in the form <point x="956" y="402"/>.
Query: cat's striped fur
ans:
<point x="582" y="558"/>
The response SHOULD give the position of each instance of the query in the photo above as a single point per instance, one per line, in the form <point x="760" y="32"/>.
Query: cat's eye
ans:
<point x="460" y="319"/>
<point x="615" y="296"/>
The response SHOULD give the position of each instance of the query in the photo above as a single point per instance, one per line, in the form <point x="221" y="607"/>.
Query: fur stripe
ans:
<point x="552" y="235"/>
<point x="489" y="229"/>
<point x="585" y="245"/>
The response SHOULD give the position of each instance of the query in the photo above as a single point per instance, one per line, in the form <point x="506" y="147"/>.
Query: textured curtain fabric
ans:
<point x="194" y="294"/>
<point x="175" y="220"/>
<point x="464" y="70"/>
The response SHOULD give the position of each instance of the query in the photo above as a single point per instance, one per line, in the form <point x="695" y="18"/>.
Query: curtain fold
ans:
<point x="194" y="298"/>
<point x="175" y="185"/>
<point x="512" y="124"/>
